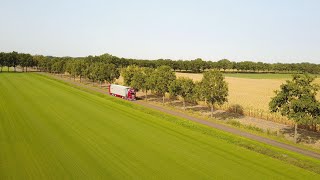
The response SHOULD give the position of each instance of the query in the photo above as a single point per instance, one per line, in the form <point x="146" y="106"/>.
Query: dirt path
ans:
<point x="210" y="124"/>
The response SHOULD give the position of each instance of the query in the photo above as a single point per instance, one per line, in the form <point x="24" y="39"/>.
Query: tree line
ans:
<point x="51" y="64"/>
<point x="296" y="99"/>
<point x="212" y="89"/>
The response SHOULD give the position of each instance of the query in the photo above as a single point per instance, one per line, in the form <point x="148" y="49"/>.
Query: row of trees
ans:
<point x="296" y="99"/>
<point x="102" y="68"/>
<point x="14" y="59"/>
<point x="212" y="88"/>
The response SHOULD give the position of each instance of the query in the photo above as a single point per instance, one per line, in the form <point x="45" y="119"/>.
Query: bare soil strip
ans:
<point x="207" y="123"/>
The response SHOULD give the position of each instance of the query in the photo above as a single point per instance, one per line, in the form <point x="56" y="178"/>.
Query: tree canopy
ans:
<point x="296" y="100"/>
<point x="214" y="88"/>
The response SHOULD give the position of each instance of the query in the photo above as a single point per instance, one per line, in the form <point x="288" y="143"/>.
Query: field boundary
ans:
<point x="218" y="126"/>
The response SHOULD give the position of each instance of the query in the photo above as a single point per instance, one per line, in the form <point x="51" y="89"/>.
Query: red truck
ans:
<point x="122" y="91"/>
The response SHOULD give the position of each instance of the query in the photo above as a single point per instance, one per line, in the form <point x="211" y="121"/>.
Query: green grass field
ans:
<point x="50" y="130"/>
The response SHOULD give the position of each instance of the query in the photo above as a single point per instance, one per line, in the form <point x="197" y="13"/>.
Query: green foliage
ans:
<point x="199" y="91"/>
<point x="162" y="77"/>
<point x="236" y="108"/>
<point x="296" y="99"/>
<point x="183" y="87"/>
<point x="224" y="64"/>
<point x="2" y="60"/>
<point x="215" y="88"/>
<point x="111" y="73"/>
<point x="138" y="80"/>
<point x="25" y="61"/>
<point x="128" y="73"/>
<point x="58" y="66"/>
<point x="197" y="65"/>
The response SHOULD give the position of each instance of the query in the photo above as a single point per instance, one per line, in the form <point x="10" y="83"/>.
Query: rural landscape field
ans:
<point x="159" y="90"/>
<point x="252" y="91"/>
<point x="54" y="131"/>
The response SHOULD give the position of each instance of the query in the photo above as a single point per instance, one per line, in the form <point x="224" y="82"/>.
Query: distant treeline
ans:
<point x="58" y="64"/>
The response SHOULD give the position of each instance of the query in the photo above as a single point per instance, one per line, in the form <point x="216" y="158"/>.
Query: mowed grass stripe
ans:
<point x="51" y="131"/>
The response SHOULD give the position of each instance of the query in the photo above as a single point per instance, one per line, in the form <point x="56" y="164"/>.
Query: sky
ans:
<point x="256" y="30"/>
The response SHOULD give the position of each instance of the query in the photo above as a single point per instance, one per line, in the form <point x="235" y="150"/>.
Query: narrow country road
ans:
<point x="207" y="123"/>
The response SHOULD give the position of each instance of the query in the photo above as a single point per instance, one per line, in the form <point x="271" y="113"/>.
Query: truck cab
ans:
<point x="131" y="94"/>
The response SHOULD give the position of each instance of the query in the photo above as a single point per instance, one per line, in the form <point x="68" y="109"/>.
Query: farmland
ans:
<point x="252" y="91"/>
<point x="49" y="130"/>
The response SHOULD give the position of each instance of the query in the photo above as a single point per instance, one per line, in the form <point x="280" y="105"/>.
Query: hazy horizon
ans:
<point x="268" y="31"/>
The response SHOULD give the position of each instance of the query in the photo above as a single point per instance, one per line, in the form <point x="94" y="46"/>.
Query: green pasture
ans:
<point x="50" y="130"/>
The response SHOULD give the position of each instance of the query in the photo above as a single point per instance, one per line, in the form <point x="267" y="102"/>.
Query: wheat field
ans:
<point x="247" y="92"/>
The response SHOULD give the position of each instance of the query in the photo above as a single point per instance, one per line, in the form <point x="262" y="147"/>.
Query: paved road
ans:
<point x="210" y="124"/>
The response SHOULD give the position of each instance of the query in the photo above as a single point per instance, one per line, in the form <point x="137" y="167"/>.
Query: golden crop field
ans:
<point x="249" y="93"/>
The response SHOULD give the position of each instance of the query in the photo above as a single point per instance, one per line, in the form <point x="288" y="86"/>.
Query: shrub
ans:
<point x="235" y="108"/>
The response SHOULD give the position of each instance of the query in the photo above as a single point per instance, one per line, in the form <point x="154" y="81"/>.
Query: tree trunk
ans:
<point x="205" y="101"/>
<point x="146" y="95"/>
<point x="1" y="68"/>
<point x="211" y="110"/>
<point x="80" y="78"/>
<point x="163" y="99"/>
<point x="100" y="84"/>
<point x="26" y="68"/>
<point x="8" y="68"/>
<point x="74" y="78"/>
<point x="14" y="68"/>
<point x="295" y="132"/>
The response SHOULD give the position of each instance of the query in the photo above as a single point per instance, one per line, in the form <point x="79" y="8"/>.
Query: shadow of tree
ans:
<point x="304" y="136"/>
<point x="226" y="115"/>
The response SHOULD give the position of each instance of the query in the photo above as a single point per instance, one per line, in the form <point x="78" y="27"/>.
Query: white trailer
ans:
<point x="122" y="91"/>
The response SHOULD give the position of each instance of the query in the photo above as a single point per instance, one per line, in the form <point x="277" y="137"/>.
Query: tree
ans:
<point x="183" y="87"/>
<point x="127" y="74"/>
<point x="197" y="65"/>
<point x="2" y="60"/>
<point x="40" y="61"/>
<point x="94" y="71"/>
<point x="78" y="66"/>
<point x="199" y="91"/>
<point x="163" y="76"/>
<point x="296" y="100"/>
<point x="149" y="81"/>
<point x="111" y="72"/>
<point x="138" y="80"/>
<point x="58" y="66"/>
<point x="71" y="68"/>
<point x="214" y="88"/>
<point x="86" y="69"/>
<point x="25" y="61"/>
<point x="224" y="64"/>
<point x="106" y="72"/>
<point x="14" y="60"/>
